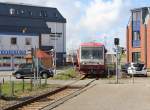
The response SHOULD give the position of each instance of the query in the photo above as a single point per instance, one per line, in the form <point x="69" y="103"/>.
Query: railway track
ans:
<point x="50" y="100"/>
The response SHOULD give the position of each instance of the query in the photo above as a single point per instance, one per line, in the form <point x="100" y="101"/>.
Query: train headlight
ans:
<point x="100" y="62"/>
<point x="83" y="63"/>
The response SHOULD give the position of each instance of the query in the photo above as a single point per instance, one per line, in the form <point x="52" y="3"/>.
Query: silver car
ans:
<point x="137" y="69"/>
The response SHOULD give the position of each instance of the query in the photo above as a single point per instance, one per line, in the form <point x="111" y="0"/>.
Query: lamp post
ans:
<point x="55" y="43"/>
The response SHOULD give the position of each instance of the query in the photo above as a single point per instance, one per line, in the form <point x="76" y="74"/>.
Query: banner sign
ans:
<point x="12" y="52"/>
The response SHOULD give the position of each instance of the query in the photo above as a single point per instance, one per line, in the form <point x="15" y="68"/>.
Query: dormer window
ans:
<point x="17" y="12"/>
<point x="43" y="13"/>
<point x="12" y="11"/>
<point x="22" y="11"/>
<point x="30" y="13"/>
<point x="55" y="15"/>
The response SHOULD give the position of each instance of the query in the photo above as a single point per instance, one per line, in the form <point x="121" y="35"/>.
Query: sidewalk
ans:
<point x="6" y="73"/>
<point x="110" y="97"/>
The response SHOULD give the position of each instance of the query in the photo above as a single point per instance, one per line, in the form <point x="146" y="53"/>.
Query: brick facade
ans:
<point x="144" y="47"/>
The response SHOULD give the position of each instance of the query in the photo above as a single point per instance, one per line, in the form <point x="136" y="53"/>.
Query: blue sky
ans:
<point x="93" y="20"/>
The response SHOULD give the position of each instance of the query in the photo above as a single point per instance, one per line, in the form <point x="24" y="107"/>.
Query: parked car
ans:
<point x="137" y="69"/>
<point x="26" y="70"/>
<point x="124" y="67"/>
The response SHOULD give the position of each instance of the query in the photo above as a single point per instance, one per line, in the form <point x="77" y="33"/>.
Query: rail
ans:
<point x="55" y="92"/>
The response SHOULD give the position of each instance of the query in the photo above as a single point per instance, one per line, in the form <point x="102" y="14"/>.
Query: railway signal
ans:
<point x="116" y="41"/>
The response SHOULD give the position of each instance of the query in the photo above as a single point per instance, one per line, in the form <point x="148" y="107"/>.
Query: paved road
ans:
<point x="106" y="96"/>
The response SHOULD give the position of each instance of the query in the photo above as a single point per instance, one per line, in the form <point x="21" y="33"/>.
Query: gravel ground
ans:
<point x="105" y="96"/>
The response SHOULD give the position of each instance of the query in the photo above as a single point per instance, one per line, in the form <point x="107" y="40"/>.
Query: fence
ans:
<point x="12" y="89"/>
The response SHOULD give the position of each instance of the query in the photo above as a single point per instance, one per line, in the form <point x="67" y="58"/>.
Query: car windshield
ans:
<point x="92" y="53"/>
<point x="25" y="66"/>
<point x="138" y="65"/>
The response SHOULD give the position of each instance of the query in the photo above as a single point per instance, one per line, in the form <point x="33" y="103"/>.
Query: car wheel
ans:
<point x="145" y="75"/>
<point x="18" y="76"/>
<point x="130" y="75"/>
<point x="44" y="75"/>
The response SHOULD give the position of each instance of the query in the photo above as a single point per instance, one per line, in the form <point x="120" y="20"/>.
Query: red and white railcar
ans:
<point x="91" y="58"/>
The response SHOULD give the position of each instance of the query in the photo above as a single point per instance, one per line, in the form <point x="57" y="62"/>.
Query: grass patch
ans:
<point x="18" y="90"/>
<point x="9" y="88"/>
<point x="66" y="75"/>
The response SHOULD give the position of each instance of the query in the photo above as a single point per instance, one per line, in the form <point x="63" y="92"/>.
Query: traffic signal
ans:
<point x="116" y="41"/>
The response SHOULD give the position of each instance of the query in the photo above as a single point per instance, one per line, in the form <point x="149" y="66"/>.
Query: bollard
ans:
<point x="45" y="80"/>
<point x="31" y="84"/>
<point x="0" y="90"/>
<point x="3" y="81"/>
<point x="40" y="82"/>
<point x="23" y="86"/>
<point x="108" y="75"/>
<point x="132" y="75"/>
<point x="12" y="88"/>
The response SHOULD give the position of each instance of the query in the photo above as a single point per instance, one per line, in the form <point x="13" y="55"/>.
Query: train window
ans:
<point x="92" y="53"/>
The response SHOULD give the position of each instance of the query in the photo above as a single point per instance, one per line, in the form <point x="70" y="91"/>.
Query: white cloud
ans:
<point x="101" y="16"/>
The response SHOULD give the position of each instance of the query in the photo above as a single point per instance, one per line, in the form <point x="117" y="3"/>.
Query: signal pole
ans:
<point x="117" y="64"/>
<point x="116" y="42"/>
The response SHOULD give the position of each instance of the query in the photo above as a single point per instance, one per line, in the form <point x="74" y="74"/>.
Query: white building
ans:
<point x="23" y="27"/>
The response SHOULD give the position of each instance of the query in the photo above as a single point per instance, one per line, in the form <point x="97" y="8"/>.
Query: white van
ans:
<point x="137" y="69"/>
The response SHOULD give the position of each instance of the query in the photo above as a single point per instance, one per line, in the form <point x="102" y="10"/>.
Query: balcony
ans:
<point x="136" y="25"/>
<point x="136" y="43"/>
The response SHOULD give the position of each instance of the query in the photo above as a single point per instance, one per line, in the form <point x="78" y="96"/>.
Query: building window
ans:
<point x="136" y="57"/>
<point x="55" y="15"/>
<point x="136" y="36"/>
<point x="136" y="39"/>
<point x="136" y="20"/>
<point x="14" y="41"/>
<point x="12" y="11"/>
<point x="136" y="16"/>
<point x="43" y="13"/>
<point x="30" y="13"/>
<point x="22" y="11"/>
<point x="28" y="41"/>
<point x="17" y="12"/>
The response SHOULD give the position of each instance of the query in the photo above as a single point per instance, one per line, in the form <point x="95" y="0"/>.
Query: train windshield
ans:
<point x="92" y="53"/>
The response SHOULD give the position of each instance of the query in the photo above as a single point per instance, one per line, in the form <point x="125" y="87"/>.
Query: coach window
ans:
<point x="13" y="40"/>
<point x="28" y="41"/>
